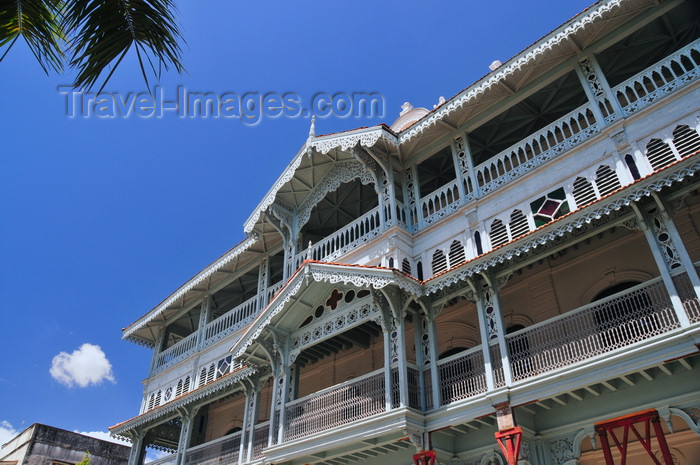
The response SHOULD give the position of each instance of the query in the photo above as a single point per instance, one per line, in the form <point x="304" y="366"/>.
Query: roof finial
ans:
<point x="405" y="108"/>
<point x="312" y="129"/>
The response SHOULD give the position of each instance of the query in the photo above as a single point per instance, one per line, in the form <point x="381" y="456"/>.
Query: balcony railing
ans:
<point x="230" y="321"/>
<point x="626" y="318"/>
<point x="537" y="148"/>
<point x="462" y="376"/>
<point x="346" y="239"/>
<point x="223" y="450"/>
<point x="335" y="406"/>
<point x="663" y="78"/>
<point x="176" y="352"/>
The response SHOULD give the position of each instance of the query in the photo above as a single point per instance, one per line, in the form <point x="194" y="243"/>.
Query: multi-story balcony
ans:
<point x="500" y="259"/>
<point x="606" y="329"/>
<point x="576" y="138"/>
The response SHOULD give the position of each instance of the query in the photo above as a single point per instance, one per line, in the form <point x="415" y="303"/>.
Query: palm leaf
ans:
<point x="39" y="22"/>
<point x="103" y="31"/>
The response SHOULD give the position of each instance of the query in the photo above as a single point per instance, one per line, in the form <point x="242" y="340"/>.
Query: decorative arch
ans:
<point x="605" y="282"/>
<point x="339" y="173"/>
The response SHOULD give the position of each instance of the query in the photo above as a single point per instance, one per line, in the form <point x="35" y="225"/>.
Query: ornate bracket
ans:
<point x="509" y="441"/>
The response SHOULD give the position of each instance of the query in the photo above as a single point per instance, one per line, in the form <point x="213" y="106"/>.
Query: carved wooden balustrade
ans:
<point x="621" y="320"/>
<point x="645" y="88"/>
<point x="335" y="406"/>
<point x="222" y="450"/>
<point x="176" y="352"/>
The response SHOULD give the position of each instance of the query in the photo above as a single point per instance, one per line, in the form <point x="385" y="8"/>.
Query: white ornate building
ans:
<point x="515" y="267"/>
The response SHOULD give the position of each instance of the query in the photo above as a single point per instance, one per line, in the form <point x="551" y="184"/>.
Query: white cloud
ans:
<point x="86" y="365"/>
<point x="7" y="432"/>
<point x="104" y="435"/>
<point x="152" y="455"/>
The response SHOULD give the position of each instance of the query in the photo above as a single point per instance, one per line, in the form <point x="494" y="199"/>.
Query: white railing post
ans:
<point x="203" y="320"/>
<point x="263" y="283"/>
<point x="157" y="349"/>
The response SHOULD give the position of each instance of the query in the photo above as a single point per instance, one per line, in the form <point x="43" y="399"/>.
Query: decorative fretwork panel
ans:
<point x="335" y="406"/>
<point x="462" y="376"/>
<point x="643" y="312"/>
<point x="596" y="86"/>
<point x="665" y="241"/>
<point x="224" y="450"/>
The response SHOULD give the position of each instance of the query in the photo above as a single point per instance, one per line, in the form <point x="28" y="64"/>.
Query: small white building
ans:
<point x="510" y="277"/>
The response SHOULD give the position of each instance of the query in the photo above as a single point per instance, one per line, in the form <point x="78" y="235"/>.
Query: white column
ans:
<point x="203" y="320"/>
<point x="187" y="417"/>
<point x="138" y="447"/>
<point x="387" y="364"/>
<point x="403" y="363"/>
<point x="484" y="332"/>
<point x="664" y="269"/>
<point x="252" y="402"/>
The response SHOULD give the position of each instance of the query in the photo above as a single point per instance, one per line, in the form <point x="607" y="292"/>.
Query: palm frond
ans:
<point x="39" y="22"/>
<point x="103" y="31"/>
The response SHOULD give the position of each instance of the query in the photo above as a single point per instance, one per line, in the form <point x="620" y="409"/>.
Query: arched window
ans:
<point x="659" y="154"/>
<point x="157" y="402"/>
<point x="456" y="253"/>
<point x="203" y="377"/>
<point x="406" y="266"/>
<point x="439" y="262"/>
<point x="151" y="401"/>
<point x="210" y="374"/>
<point x="477" y="241"/>
<point x="606" y="180"/>
<point x="186" y="385"/>
<point x="499" y="235"/>
<point x="686" y="140"/>
<point x="178" y="389"/>
<point x="391" y="262"/>
<point x="518" y="224"/>
<point x="419" y="270"/>
<point x="583" y="192"/>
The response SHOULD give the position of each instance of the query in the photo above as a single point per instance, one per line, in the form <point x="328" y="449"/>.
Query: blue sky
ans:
<point x="101" y="218"/>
